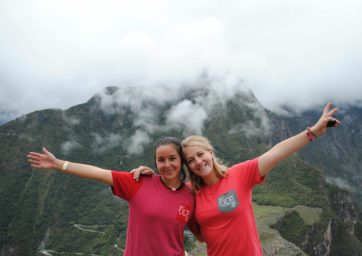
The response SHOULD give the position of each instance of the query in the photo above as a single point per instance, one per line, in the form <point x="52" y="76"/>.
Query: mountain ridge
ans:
<point x="40" y="209"/>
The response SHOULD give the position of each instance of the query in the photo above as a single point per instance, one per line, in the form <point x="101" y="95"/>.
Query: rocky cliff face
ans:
<point x="324" y="247"/>
<point x="345" y="208"/>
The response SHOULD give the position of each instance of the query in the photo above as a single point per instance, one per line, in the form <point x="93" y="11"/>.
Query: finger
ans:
<point x="33" y="161"/>
<point x="136" y="169"/>
<point x="136" y="176"/>
<point x="333" y="123"/>
<point x="47" y="152"/>
<point x="144" y="168"/>
<point x="327" y="107"/>
<point x="34" y="154"/>
<point x="135" y="173"/>
<point x="34" y="158"/>
<point x="333" y="111"/>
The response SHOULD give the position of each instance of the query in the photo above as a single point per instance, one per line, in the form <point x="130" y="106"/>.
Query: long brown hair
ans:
<point x="218" y="166"/>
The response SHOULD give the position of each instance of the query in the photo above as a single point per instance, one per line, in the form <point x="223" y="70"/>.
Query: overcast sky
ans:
<point x="60" y="53"/>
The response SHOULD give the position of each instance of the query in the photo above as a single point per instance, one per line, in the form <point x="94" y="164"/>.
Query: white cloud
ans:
<point x="145" y="105"/>
<point x="68" y="146"/>
<point x="187" y="115"/>
<point x="106" y="142"/>
<point x="341" y="183"/>
<point x="60" y="53"/>
<point x="163" y="108"/>
<point x="251" y="127"/>
<point x="137" y="141"/>
<point x="70" y="120"/>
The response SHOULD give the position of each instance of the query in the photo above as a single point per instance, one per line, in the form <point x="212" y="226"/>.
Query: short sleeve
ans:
<point x="124" y="185"/>
<point x="248" y="172"/>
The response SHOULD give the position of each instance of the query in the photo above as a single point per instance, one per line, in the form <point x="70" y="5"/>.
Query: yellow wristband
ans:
<point x="65" y="165"/>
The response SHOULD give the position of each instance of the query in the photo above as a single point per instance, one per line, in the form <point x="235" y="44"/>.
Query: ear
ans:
<point x="212" y="155"/>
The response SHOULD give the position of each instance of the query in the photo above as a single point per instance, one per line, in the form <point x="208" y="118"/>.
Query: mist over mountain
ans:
<point x="5" y="117"/>
<point x="308" y="205"/>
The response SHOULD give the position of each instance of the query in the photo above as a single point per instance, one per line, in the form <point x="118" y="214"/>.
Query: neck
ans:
<point x="211" y="179"/>
<point x="172" y="184"/>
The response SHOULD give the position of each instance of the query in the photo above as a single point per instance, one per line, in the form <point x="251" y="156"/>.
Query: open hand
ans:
<point x="142" y="170"/>
<point x="45" y="160"/>
<point x="326" y="120"/>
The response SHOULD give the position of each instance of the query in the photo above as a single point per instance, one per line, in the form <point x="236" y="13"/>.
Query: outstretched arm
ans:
<point x="47" y="160"/>
<point x="293" y="144"/>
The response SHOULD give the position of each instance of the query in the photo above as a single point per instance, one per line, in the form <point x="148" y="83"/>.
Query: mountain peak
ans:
<point x="110" y="90"/>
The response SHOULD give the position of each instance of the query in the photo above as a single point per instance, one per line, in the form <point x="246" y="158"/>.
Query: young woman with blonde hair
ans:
<point x="224" y="195"/>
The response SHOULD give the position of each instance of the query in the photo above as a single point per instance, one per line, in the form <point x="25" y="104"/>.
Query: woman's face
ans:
<point x="199" y="160"/>
<point x="168" y="162"/>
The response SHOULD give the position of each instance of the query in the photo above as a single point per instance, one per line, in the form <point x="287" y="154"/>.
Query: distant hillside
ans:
<point x="338" y="155"/>
<point x="5" y="117"/>
<point x="42" y="212"/>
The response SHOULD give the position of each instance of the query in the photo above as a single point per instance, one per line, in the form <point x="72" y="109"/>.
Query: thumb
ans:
<point x="45" y="151"/>
<point x="48" y="153"/>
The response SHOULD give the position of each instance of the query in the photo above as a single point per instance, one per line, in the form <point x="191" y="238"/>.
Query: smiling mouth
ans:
<point x="202" y="168"/>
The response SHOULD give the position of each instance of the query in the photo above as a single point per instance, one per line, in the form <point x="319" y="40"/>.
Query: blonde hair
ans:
<point x="218" y="166"/>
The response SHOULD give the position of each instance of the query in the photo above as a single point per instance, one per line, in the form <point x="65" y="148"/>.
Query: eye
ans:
<point x="190" y="161"/>
<point x="200" y="154"/>
<point x="160" y="160"/>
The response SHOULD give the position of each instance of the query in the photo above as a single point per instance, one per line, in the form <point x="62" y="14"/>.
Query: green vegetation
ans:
<point x="292" y="183"/>
<point x="293" y="227"/>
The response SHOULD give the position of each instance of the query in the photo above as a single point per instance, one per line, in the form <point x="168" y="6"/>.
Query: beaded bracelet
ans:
<point x="311" y="136"/>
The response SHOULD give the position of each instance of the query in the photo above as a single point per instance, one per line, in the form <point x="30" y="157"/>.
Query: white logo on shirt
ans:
<point x="228" y="201"/>
<point x="184" y="213"/>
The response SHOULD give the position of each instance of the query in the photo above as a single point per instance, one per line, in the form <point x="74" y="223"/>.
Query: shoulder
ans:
<point x="247" y="167"/>
<point x="120" y="175"/>
<point x="124" y="184"/>
<point x="154" y="179"/>
<point x="188" y="187"/>
<point x="248" y="164"/>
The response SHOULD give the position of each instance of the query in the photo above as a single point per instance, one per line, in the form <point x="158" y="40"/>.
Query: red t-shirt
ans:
<point x="225" y="214"/>
<point x="157" y="215"/>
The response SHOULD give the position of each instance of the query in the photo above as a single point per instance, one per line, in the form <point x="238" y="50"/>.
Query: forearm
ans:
<point x="195" y="229"/>
<point x="281" y="151"/>
<point x="290" y="146"/>
<point x="84" y="171"/>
